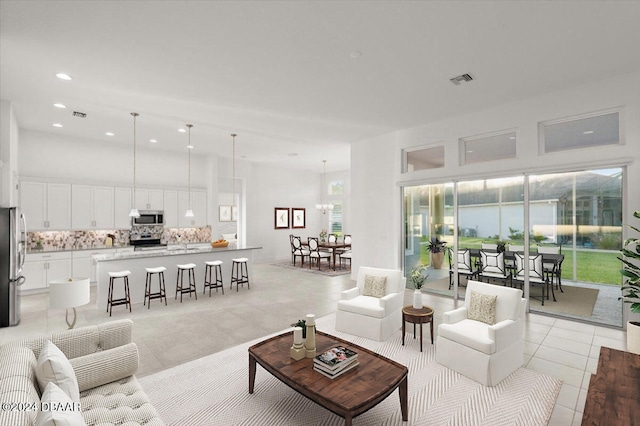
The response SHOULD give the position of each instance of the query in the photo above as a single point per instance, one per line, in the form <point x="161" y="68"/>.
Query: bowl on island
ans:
<point x="219" y="243"/>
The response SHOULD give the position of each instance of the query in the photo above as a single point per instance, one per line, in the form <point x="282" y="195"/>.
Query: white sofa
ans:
<point x="103" y="359"/>
<point x="372" y="317"/>
<point x="482" y="352"/>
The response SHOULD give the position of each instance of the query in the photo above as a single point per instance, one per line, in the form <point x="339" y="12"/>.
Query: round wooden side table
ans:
<point x="417" y="316"/>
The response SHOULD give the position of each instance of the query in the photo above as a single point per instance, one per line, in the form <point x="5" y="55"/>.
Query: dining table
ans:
<point x="549" y="258"/>
<point x="333" y="246"/>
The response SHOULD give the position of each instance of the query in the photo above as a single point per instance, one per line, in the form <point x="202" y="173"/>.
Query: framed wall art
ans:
<point x="298" y="217"/>
<point x="224" y="213"/>
<point x="281" y="217"/>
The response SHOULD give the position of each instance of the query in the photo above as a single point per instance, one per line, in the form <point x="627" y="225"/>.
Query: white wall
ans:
<point x="48" y="155"/>
<point x="376" y="171"/>
<point x="8" y="156"/>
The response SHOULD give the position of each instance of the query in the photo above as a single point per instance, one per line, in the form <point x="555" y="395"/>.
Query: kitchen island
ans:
<point x="137" y="261"/>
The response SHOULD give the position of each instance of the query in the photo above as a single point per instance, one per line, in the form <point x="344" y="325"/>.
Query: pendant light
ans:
<point x="189" y="212"/>
<point x="134" y="211"/>
<point x="233" y="170"/>
<point x="324" y="207"/>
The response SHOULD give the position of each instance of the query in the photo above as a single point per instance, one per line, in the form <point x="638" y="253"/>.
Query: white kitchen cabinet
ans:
<point x="46" y="206"/>
<point x="93" y="207"/>
<point x="40" y="268"/>
<point x="198" y="206"/>
<point x="149" y="199"/>
<point x="171" y="209"/>
<point x="83" y="263"/>
<point x="122" y="208"/>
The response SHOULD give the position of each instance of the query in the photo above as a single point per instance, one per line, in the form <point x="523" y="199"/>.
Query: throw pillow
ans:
<point x="482" y="307"/>
<point x="58" y="409"/>
<point x="53" y="366"/>
<point x="375" y="286"/>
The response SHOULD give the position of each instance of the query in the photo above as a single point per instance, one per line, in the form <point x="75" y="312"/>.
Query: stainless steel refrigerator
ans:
<point x="13" y="248"/>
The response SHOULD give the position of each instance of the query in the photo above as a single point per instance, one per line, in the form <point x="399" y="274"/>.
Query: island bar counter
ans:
<point x="136" y="262"/>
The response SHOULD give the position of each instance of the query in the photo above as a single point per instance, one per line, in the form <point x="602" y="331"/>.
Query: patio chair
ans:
<point x="492" y="266"/>
<point x="510" y="264"/>
<point x="551" y="268"/>
<point x="463" y="259"/>
<point x="537" y="276"/>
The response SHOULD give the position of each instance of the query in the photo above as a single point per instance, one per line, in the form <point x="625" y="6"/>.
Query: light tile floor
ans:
<point x="179" y="332"/>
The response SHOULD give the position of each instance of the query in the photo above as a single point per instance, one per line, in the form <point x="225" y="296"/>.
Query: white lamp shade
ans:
<point x="69" y="294"/>
<point x="189" y="213"/>
<point x="134" y="213"/>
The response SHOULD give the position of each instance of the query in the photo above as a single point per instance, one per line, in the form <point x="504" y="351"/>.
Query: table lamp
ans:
<point x="68" y="293"/>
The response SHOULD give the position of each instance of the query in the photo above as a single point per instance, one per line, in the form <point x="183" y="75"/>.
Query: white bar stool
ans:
<point x="191" y="287"/>
<point x="161" y="288"/>
<point x="239" y="273"/>
<point x="216" y="265"/>
<point x="126" y="300"/>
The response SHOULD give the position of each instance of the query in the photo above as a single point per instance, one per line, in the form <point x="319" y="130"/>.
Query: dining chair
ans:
<point x="315" y="253"/>
<point x="298" y="251"/>
<point x="463" y="259"/>
<point x="537" y="276"/>
<point x="511" y="263"/>
<point x="492" y="266"/>
<point x="552" y="269"/>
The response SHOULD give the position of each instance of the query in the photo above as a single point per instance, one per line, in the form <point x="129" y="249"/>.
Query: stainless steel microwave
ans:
<point x="149" y="218"/>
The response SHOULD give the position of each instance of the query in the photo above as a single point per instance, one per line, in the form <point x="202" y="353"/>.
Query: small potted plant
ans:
<point x="631" y="286"/>
<point x="436" y="248"/>
<point x="417" y="279"/>
<point x="302" y="323"/>
<point x="323" y="236"/>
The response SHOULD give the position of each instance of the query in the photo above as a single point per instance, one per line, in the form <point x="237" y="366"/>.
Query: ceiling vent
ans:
<point x="79" y="114"/>
<point x="461" y="79"/>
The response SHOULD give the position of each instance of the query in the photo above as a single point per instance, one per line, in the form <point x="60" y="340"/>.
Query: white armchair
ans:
<point x="480" y="351"/>
<point x="368" y="316"/>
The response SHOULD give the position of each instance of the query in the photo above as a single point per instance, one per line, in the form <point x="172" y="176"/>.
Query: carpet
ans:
<point x="214" y="391"/>
<point x="575" y="300"/>
<point x="324" y="268"/>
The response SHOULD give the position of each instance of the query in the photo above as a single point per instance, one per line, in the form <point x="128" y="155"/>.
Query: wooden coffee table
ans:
<point x="348" y="395"/>
<point x="417" y="316"/>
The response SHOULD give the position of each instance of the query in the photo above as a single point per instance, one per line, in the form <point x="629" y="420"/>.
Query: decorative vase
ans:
<point x="437" y="259"/>
<point x="417" y="299"/>
<point x="633" y="337"/>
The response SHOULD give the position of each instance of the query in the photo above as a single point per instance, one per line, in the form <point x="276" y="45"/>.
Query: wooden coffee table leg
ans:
<point x="348" y="420"/>
<point x="252" y="373"/>
<point x="431" y="327"/>
<point x="420" y="335"/>
<point x="404" y="404"/>
<point x="404" y="327"/>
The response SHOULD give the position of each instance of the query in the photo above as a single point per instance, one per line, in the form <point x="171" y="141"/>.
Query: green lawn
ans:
<point x="593" y="266"/>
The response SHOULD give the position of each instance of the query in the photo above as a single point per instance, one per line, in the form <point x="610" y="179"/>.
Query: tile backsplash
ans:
<point x="70" y="240"/>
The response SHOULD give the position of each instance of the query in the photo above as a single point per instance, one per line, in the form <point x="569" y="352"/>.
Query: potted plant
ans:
<point x="417" y="279"/>
<point x="436" y="248"/>
<point x="631" y="286"/>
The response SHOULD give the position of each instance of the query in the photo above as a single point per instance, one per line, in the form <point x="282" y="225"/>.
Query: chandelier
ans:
<point x="324" y="207"/>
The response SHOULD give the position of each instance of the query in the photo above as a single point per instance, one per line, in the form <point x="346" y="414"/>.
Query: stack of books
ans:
<point x="335" y="361"/>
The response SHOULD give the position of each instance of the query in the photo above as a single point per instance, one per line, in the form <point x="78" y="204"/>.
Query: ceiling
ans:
<point x="297" y="81"/>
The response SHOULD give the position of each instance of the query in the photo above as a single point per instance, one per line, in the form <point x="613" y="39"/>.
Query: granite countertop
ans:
<point x="174" y="251"/>
<point x="75" y="248"/>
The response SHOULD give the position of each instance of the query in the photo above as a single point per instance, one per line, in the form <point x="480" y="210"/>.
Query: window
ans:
<point x="414" y="159"/>
<point x="335" y="225"/>
<point x="479" y="149"/>
<point x="585" y="132"/>
<point x="336" y="187"/>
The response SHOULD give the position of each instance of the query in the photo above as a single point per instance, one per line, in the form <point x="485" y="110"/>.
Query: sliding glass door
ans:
<point x="577" y="215"/>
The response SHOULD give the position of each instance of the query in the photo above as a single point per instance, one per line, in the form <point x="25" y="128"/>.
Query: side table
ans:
<point x="417" y="316"/>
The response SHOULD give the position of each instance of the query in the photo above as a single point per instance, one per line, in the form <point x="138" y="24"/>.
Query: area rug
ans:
<point x="214" y="391"/>
<point x="578" y="301"/>
<point x="324" y="268"/>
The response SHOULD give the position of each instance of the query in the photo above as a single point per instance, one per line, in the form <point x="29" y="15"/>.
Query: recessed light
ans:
<point x="109" y="133"/>
<point x="182" y="130"/>
<point x="57" y="125"/>
<point x="469" y="151"/>
<point x="63" y="76"/>
<point x="588" y="132"/>
<point x="355" y="54"/>
<point x="190" y="146"/>
<point x="153" y="141"/>
<point x="293" y="154"/>
<point x="512" y="137"/>
<point x="59" y="105"/>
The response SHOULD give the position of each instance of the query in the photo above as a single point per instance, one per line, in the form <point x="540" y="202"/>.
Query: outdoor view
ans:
<point x="577" y="215"/>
